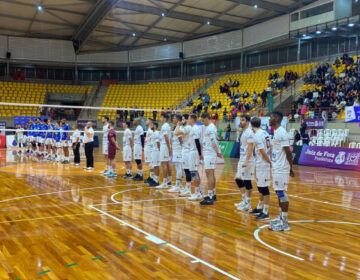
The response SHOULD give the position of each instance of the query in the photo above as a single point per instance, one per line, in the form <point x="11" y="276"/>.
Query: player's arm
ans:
<point x="265" y="156"/>
<point x="113" y="141"/>
<point x="131" y="142"/>
<point x="248" y="154"/>
<point x="167" y="143"/>
<point x="215" y="145"/>
<point x="289" y="159"/>
<point x="68" y="136"/>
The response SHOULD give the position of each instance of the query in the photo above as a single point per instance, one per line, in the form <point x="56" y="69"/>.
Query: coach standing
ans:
<point x="89" y="146"/>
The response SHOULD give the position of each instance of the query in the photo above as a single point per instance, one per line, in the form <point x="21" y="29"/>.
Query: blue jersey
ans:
<point x="50" y="128"/>
<point x="37" y="128"/>
<point x="31" y="127"/>
<point x="57" y="134"/>
<point x="64" y="135"/>
<point x="44" y="127"/>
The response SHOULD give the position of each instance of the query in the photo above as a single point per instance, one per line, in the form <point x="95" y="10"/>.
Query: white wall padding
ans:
<point x="41" y="49"/>
<point x="170" y="51"/>
<point x="106" y="57"/>
<point x="213" y="44"/>
<point x="267" y="30"/>
<point x="3" y="46"/>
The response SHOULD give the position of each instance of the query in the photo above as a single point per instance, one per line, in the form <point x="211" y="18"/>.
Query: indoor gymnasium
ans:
<point x="179" y="139"/>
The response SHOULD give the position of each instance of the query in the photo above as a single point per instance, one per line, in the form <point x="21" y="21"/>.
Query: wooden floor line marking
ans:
<point x="169" y="244"/>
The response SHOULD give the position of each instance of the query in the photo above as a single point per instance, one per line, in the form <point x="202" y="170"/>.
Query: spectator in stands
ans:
<point x="255" y="97"/>
<point x="229" y="82"/>
<point x="190" y="102"/>
<point x="236" y="83"/>
<point x="313" y="132"/>
<point x="207" y="98"/>
<point x="297" y="137"/>
<point x="225" y="112"/>
<point x="126" y="113"/>
<point x="219" y="105"/>
<point x="121" y="115"/>
<point x="303" y="126"/>
<point x="199" y="108"/>
<point x="303" y="109"/>
<point x="264" y="98"/>
<point x="234" y="112"/>
<point x="214" y="105"/>
<point x="356" y="102"/>
<point x="227" y="133"/>
<point x="270" y="77"/>
<point x="246" y="94"/>
<point x="305" y="138"/>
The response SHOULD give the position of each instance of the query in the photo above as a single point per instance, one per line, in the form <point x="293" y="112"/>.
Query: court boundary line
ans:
<point x="148" y="235"/>
<point x="257" y="237"/>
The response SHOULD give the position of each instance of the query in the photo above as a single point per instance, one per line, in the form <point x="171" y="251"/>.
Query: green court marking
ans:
<point x="242" y="230"/>
<point x="185" y="239"/>
<point x="303" y="223"/>
<point x="164" y="243"/>
<point x="70" y="265"/>
<point x="203" y="236"/>
<point x="330" y="219"/>
<point x="222" y="233"/>
<point x="122" y="252"/>
<point x="316" y="221"/>
<point x="98" y="258"/>
<point x="354" y="215"/>
<point x="43" y="272"/>
<point x="342" y="217"/>
<point x="143" y="247"/>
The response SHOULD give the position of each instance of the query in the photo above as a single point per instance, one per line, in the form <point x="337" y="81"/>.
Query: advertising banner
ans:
<point x="352" y="114"/>
<point x="315" y="123"/>
<point x="330" y="157"/>
<point x="226" y="148"/>
<point x="2" y="128"/>
<point x="82" y="123"/>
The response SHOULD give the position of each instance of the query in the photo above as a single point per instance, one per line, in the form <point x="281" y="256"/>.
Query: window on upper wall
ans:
<point x="328" y="7"/>
<point x="294" y="17"/>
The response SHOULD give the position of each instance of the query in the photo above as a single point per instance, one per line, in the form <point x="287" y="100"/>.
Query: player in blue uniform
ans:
<point x="57" y="143"/>
<point x="49" y="139"/>
<point x="65" y="140"/>
<point x="43" y="126"/>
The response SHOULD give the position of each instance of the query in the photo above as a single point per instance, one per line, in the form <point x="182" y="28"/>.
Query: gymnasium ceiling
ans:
<point x="104" y="25"/>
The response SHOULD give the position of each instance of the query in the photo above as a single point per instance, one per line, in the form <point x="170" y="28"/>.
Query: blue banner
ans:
<point x="24" y="120"/>
<point x="352" y="114"/>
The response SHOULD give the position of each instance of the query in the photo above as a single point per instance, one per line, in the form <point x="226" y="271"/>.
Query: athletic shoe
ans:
<point x="153" y="184"/>
<point x="137" y="178"/>
<point x="207" y="201"/>
<point x="77" y="164"/>
<point x="174" y="189"/>
<point x="275" y="221"/>
<point x="283" y="226"/>
<point x="85" y="167"/>
<point x="256" y="212"/>
<point x="66" y="162"/>
<point x="262" y="216"/>
<point x="147" y="180"/>
<point x="240" y="204"/>
<point x="104" y="171"/>
<point x="162" y="186"/>
<point x="214" y="197"/>
<point x="185" y="192"/>
<point x="127" y="176"/>
<point x="107" y="173"/>
<point x="169" y="184"/>
<point x="112" y="174"/>
<point x="90" y="168"/>
<point x="246" y="207"/>
<point x="196" y="196"/>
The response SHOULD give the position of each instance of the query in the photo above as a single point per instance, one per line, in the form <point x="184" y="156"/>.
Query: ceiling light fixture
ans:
<point x="40" y="8"/>
<point x="318" y="32"/>
<point x="134" y="34"/>
<point x="208" y="22"/>
<point x="350" y="24"/>
<point x="162" y="14"/>
<point x="255" y="6"/>
<point x="334" y="28"/>
<point x="165" y="39"/>
<point x="304" y="35"/>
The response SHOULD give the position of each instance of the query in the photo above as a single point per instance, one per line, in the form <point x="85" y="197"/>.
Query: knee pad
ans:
<point x="187" y="175"/>
<point x="195" y="175"/>
<point x="138" y="161"/>
<point x="264" y="190"/>
<point x="282" y="196"/>
<point x="248" y="185"/>
<point x="240" y="183"/>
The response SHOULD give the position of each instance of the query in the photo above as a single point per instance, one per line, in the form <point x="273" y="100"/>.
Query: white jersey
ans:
<point x="280" y="163"/>
<point x="155" y="138"/>
<point x="186" y="137"/>
<point x="246" y="137"/>
<point x="137" y="136"/>
<point x="148" y="143"/>
<point x="20" y="133"/>
<point x="210" y="139"/>
<point x="165" y="130"/>
<point x="176" y="145"/>
<point x="105" y="134"/>
<point x="262" y="141"/>
<point x="194" y="134"/>
<point x="126" y="138"/>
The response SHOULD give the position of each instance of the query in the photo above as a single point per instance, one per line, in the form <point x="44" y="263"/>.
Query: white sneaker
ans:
<point x="275" y="221"/>
<point x="162" y="186"/>
<point x="196" y="196"/>
<point x="185" y="192"/>
<point x="90" y="168"/>
<point x="246" y="207"/>
<point x="174" y="189"/>
<point x="240" y="204"/>
<point x="77" y="164"/>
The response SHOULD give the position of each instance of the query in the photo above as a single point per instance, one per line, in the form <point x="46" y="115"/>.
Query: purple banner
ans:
<point x="315" y="123"/>
<point x="330" y="157"/>
<point x="82" y="123"/>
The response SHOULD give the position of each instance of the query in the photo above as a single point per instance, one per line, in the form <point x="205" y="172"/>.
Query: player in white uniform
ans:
<point x="155" y="155"/>
<point x="19" y="136"/>
<point x="165" y="152"/>
<point x="105" y="143"/>
<point x="138" y="149"/>
<point x="211" y="152"/>
<point x="263" y="166"/>
<point x="148" y="150"/>
<point x="194" y="146"/>
<point x="281" y="169"/>
<point x="183" y="129"/>
<point x="246" y="166"/>
<point x="177" y="156"/>
<point x="127" y="153"/>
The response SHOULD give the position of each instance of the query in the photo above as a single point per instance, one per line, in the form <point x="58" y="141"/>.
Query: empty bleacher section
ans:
<point x="69" y="89"/>
<point x="149" y="96"/>
<point x="256" y="81"/>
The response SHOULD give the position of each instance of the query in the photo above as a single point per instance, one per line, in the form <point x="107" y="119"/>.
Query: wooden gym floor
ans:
<point x="60" y="222"/>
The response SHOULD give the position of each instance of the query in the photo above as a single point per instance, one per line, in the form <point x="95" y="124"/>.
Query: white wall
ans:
<point x="3" y="46"/>
<point x="41" y="49"/>
<point x="108" y="57"/>
<point x="267" y="30"/>
<point x="213" y="44"/>
<point x="169" y="51"/>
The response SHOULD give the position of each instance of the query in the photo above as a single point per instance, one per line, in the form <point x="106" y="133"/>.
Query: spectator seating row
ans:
<point x="69" y="89"/>
<point x="149" y="96"/>
<point x="255" y="81"/>
<point x="326" y="137"/>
